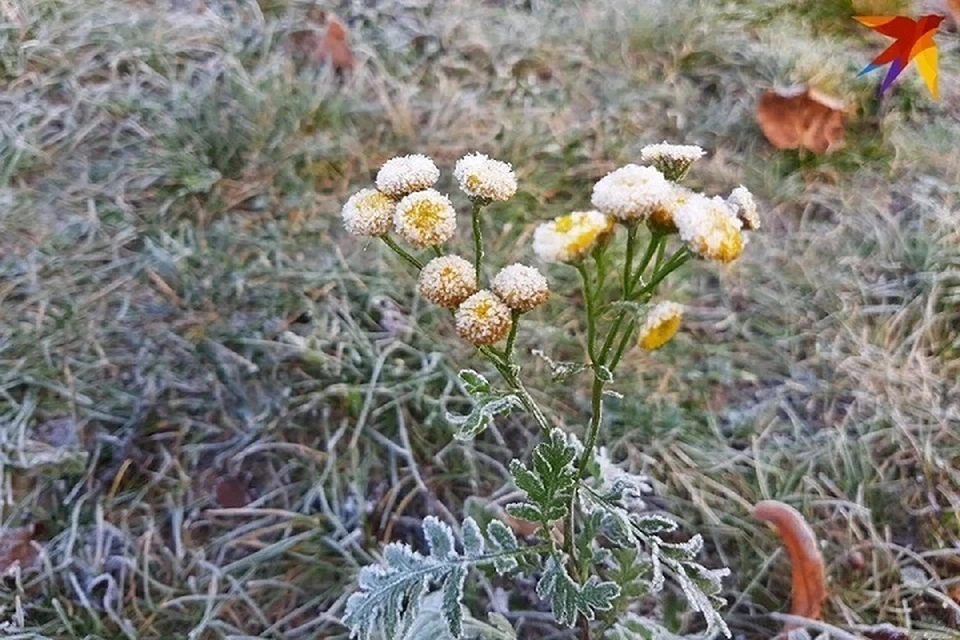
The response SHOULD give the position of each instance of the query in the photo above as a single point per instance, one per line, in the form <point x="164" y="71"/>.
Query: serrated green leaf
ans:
<point x="439" y="538"/>
<point x="526" y="480"/>
<point x="525" y="511"/>
<point x="486" y="407"/>
<point x="653" y="524"/>
<point x="682" y="550"/>
<point x="472" y="538"/>
<point x="568" y="599"/>
<point x="452" y="594"/>
<point x="502" y="540"/>
<point x="550" y="484"/>
<point x="473" y="383"/>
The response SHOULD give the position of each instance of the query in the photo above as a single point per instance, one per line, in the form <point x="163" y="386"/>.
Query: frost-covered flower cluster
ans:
<point x="485" y="179"/>
<point x="523" y="288"/>
<point x="673" y="160"/>
<point x="661" y="219"/>
<point x="483" y="319"/>
<point x="425" y="218"/>
<point x="711" y="228"/>
<point x="571" y="237"/>
<point x="447" y="281"/>
<point x="631" y="192"/>
<point x="644" y="227"/>
<point x="369" y="213"/>
<point x="402" y="176"/>
<point x="742" y="202"/>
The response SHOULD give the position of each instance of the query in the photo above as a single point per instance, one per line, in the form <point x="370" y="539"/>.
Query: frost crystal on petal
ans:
<point x="405" y="174"/>
<point x="484" y="178"/>
<point x="631" y="192"/>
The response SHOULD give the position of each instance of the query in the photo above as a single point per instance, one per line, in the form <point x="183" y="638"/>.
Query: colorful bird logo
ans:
<point x="914" y="42"/>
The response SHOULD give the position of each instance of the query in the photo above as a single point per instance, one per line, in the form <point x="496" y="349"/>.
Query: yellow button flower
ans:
<point x="710" y="228"/>
<point x="571" y="237"/>
<point x="660" y="325"/>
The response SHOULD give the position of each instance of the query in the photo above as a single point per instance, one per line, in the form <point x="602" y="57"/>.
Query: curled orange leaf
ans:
<point x="802" y="117"/>
<point x="808" y="574"/>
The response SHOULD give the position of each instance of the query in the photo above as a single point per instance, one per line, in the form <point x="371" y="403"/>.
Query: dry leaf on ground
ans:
<point x="802" y="117"/>
<point x="318" y="47"/>
<point x="16" y="548"/>
<point x="233" y="492"/>
<point x="808" y="573"/>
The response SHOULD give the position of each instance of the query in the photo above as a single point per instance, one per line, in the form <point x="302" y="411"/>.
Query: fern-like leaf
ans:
<point x="390" y="595"/>
<point x="567" y="598"/>
<point x="551" y="480"/>
<point x="487" y="404"/>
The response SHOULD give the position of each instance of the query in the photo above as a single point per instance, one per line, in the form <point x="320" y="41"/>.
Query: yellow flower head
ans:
<point x="631" y="192"/>
<point x="571" y="237"/>
<point x="521" y="287"/>
<point x="483" y="178"/>
<point x="425" y="218"/>
<point x="483" y="319"/>
<point x="661" y="219"/>
<point x="741" y="201"/>
<point x="674" y="160"/>
<point x="447" y="281"/>
<point x="660" y="325"/>
<point x="368" y="213"/>
<point x="405" y="174"/>
<point x="710" y="228"/>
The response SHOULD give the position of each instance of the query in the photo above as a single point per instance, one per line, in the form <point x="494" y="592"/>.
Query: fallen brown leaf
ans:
<point x="801" y="117"/>
<point x="16" y="547"/>
<point x="330" y="46"/>
<point x="808" y="574"/>
<point x="232" y="492"/>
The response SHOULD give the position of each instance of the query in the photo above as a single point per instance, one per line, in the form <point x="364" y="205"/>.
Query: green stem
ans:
<point x="387" y="240"/>
<point x="593" y="430"/>
<point x="624" y="341"/>
<point x="512" y="337"/>
<point x="628" y="283"/>
<point x="628" y="264"/>
<point x="660" y="252"/>
<point x="608" y="343"/>
<point x="591" y="315"/>
<point x="477" y="241"/>
<point x="437" y="250"/>
<point x="656" y="240"/>
<point x="676" y="261"/>
<point x="504" y="369"/>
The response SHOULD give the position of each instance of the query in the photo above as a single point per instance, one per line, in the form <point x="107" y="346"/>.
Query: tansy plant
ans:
<point x="597" y="550"/>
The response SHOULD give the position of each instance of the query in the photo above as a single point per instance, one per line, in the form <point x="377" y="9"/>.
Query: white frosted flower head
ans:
<point x="521" y="287"/>
<point x="571" y="237"/>
<point x="425" y="218"/>
<point x="368" y="212"/>
<point x="710" y="228"/>
<point x="674" y="160"/>
<point x="661" y="219"/>
<point x="403" y="175"/>
<point x="741" y="201"/>
<point x="485" y="179"/>
<point x="483" y="319"/>
<point x="660" y="325"/>
<point x="447" y="281"/>
<point x="631" y="192"/>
